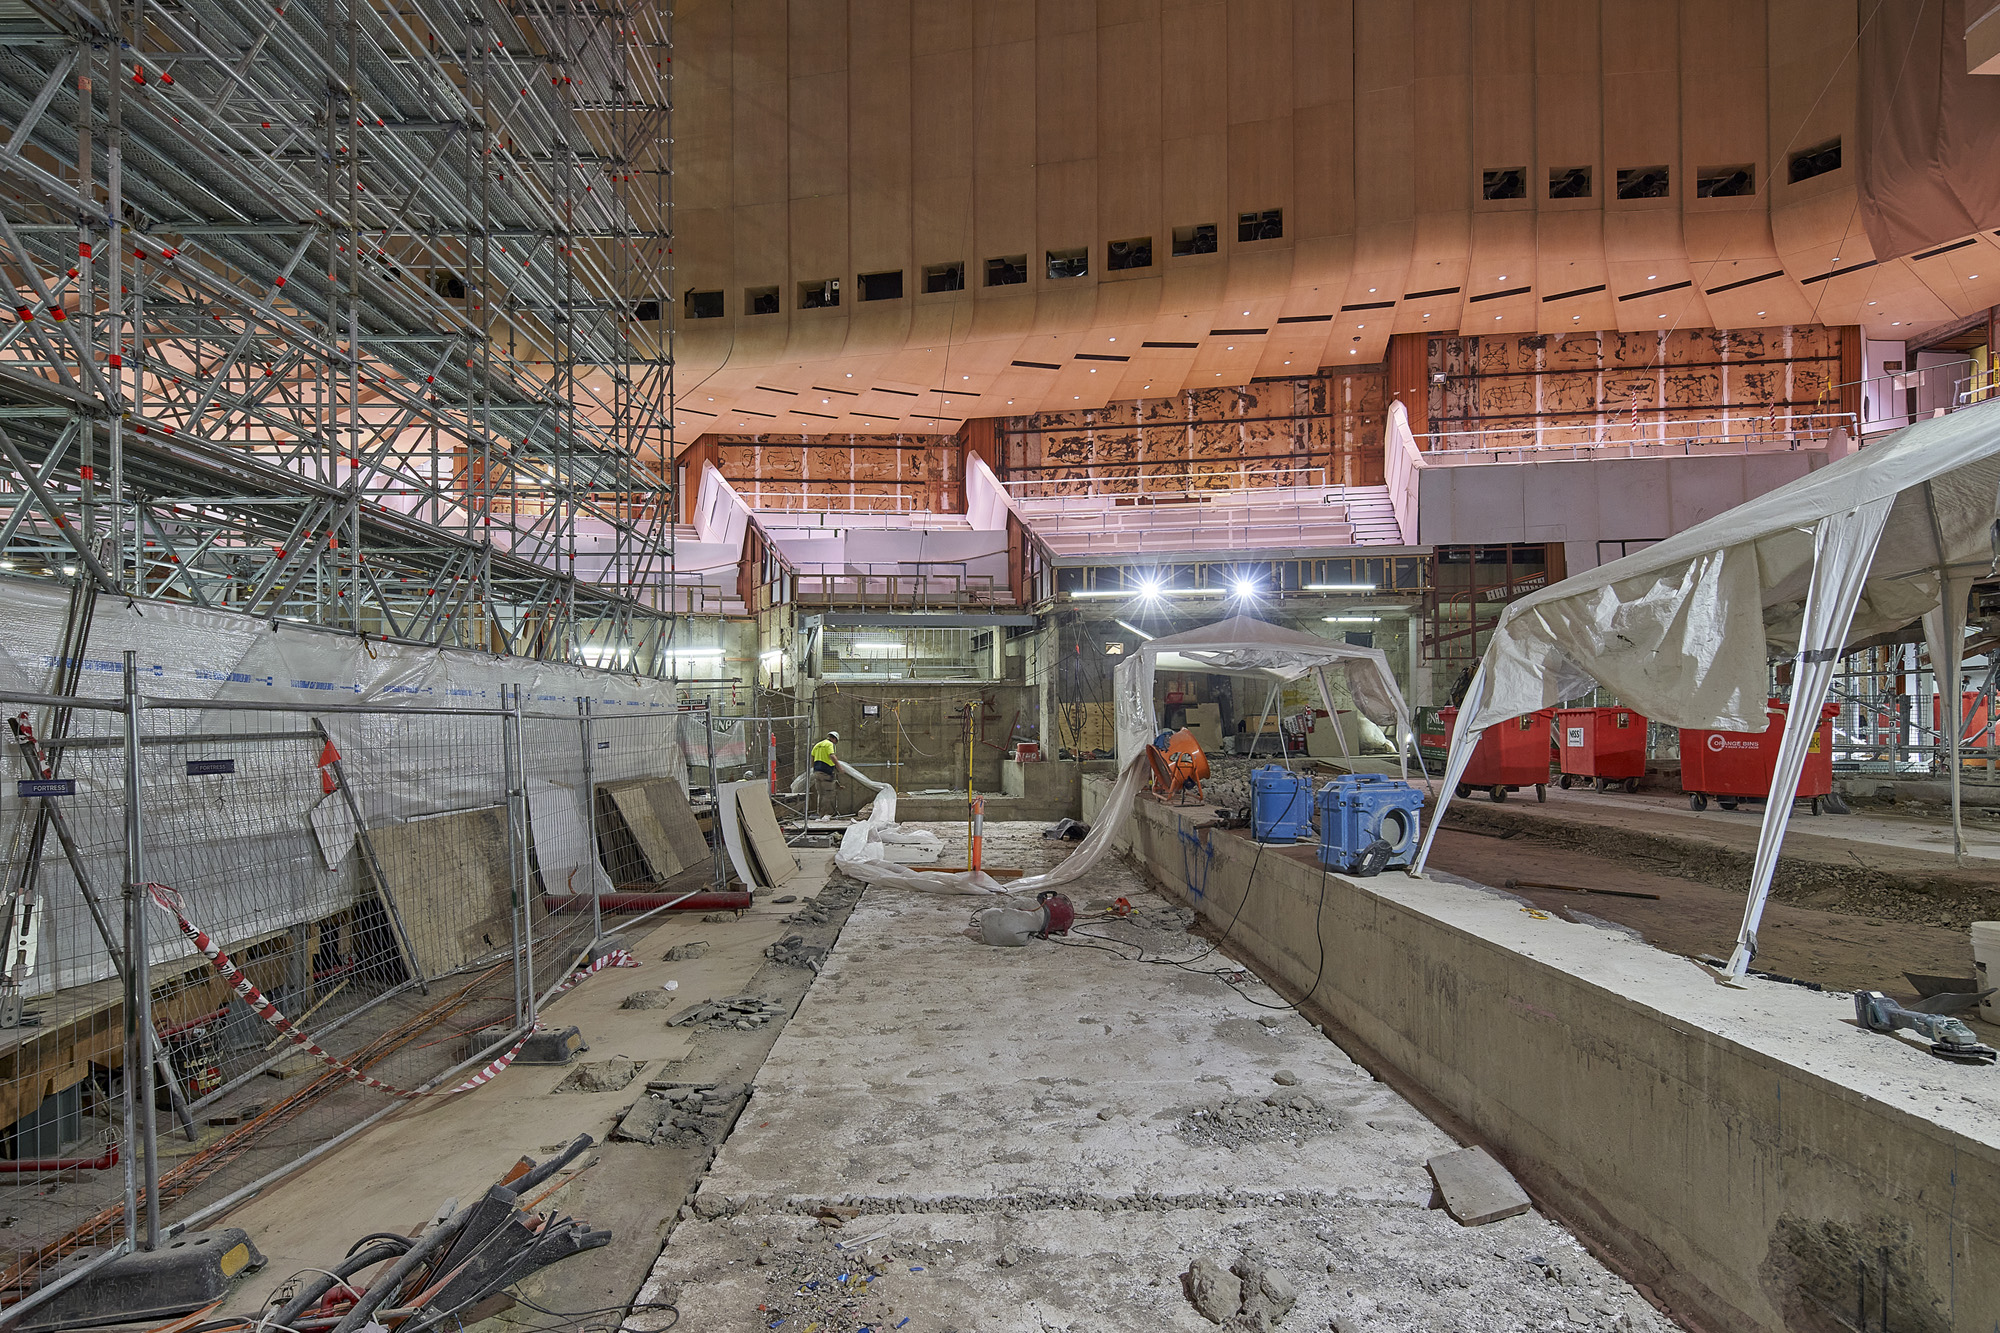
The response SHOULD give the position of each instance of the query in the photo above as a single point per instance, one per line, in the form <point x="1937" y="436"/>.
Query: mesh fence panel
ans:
<point x="394" y="881"/>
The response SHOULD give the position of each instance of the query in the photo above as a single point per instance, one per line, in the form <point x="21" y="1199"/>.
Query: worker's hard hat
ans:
<point x="833" y="735"/>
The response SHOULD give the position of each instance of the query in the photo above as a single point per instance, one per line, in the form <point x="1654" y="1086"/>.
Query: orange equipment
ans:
<point x="1180" y="765"/>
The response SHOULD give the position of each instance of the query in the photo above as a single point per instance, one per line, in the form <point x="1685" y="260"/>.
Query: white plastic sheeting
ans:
<point x="1244" y="645"/>
<point x="862" y="854"/>
<point x="1684" y="630"/>
<point x="187" y="652"/>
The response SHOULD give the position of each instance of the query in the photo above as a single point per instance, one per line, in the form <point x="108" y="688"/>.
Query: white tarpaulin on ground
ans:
<point x="1685" y="630"/>
<point x="1246" y="646"/>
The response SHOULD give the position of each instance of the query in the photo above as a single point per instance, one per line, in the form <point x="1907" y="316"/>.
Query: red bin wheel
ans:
<point x="1497" y="792"/>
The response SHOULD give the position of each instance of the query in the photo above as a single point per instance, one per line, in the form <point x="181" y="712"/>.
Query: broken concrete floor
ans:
<point x="395" y="1176"/>
<point x="949" y="1136"/>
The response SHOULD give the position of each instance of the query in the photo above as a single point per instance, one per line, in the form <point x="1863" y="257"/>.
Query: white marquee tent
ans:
<point x="1684" y="631"/>
<point x="1246" y="646"/>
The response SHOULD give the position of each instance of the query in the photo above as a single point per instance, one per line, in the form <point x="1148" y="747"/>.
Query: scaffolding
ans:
<point x="354" y="314"/>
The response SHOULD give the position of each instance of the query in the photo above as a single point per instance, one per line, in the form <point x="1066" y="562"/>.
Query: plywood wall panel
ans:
<point x="907" y="133"/>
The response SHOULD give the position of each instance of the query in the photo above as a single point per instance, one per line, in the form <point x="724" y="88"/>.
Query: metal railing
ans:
<point x="1748" y="433"/>
<point x="404" y="883"/>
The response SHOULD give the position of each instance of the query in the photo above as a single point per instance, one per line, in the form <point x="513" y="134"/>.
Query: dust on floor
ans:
<point x="949" y="1136"/>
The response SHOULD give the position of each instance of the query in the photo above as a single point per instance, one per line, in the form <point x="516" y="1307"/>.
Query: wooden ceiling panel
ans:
<point x="825" y="141"/>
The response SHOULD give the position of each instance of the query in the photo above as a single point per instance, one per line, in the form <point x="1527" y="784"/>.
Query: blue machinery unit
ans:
<point x="1281" y="804"/>
<point x="1358" y="811"/>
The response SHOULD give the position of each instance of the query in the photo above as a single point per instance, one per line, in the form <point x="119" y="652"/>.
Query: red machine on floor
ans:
<point x="1736" y="766"/>
<point x="1601" y="746"/>
<point x="1510" y="755"/>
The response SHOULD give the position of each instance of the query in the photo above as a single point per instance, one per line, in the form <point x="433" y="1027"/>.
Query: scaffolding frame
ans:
<point x="353" y="314"/>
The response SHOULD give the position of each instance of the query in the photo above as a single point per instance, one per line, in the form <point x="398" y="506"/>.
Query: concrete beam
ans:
<point x="1747" y="1151"/>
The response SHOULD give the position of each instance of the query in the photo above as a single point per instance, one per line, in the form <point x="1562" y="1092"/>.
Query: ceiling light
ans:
<point x="1760" y="312"/>
<point x="1352" y="620"/>
<point x="1503" y="277"/>
<point x="69" y="569"/>
<point x="1651" y="276"/>
<point x="1426" y="316"/>
<point x="850" y="374"/>
<point x="1134" y="628"/>
<point x="1371" y="289"/>
<point x="1971" y="275"/>
<point x="1111" y="340"/>
<point x="1245" y="588"/>
<point x="1354" y="351"/>
<point x="1093" y="370"/>
<point x="1496" y="317"/>
<point x="1340" y="587"/>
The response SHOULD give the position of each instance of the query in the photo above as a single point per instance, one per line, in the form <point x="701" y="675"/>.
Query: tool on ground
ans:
<point x="453" y="1274"/>
<point x="1950" y="1039"/>
<point x="1013" y="927"/>
<point x="1367" y="823"/>
<point x="1281" y="804"/>
<point x="1578" y="888"/>
<point x="1178" y="764"/>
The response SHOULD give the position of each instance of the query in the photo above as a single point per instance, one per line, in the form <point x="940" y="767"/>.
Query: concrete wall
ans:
<point x="1745" y="1152"/>
<point x="915" y="741"/>
<point x="1604" y="499"/>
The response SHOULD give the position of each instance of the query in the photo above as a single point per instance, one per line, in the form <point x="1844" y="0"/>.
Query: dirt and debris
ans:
<point x="653" y="997"/>
<point x="602" y="1075"/>
<point x="1232" y="1122"/>
<point x="685" y="953"/>
<point x="744" y="1012"/>
<point x="793" y="951"/>
<point x="683" y="1114"/>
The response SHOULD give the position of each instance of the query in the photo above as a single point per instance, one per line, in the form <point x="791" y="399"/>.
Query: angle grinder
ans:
<point x="1950" y="1039"/>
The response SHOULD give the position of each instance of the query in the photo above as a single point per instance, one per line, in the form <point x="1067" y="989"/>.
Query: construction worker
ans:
<point x="824" y="771"/>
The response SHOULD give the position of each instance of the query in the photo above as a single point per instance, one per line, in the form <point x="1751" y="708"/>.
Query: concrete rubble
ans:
<point x="738" y="1011"/>
<point x="950" y="1138"/>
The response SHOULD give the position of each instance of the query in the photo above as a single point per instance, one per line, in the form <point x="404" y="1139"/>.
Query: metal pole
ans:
<point x="518" y="850"/>
<point x="590" y="814"/>
<point x="514" y="886"/>
<point x="138" y="984"/>
<point x="719" y="877"/>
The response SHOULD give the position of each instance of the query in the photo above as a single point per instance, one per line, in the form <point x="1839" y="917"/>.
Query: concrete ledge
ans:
<point x="1750" y="1153"/>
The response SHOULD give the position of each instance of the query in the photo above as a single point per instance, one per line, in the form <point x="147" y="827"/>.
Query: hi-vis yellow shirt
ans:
<point x="823" y="753"/>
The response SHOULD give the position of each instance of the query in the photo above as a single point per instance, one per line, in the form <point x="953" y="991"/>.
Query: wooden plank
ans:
<point x="633" y="804"/>
<point x="450" y="874"/>
<point x="1475" y="1188"/>
<point x="676" y="815"/>
<point x="763" y="836"/>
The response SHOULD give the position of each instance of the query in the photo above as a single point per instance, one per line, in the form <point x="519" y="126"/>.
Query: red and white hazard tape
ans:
<point x="247" y="990"/>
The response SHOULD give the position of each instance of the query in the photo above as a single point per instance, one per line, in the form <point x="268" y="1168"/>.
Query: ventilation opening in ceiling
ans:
<point x="760" y="300"/>
<point x="1268" y="225"/>
<point x="1642" y="183"/>
<point x="1569" y="182"/>
<point x="1811" y="162"/>
<point x="1724" y="182"/>
<point x="1196" y="240"/>
<point x="1006" y="271"/>
<point x="1506" y="183"/>
<point x="1135" y="253"/>
<point x="944" y="278"/>
<point x="1074" y="263"/>
<point x="704" y="305"/>
<point x="821" y="295"/>
<point x="882" y="286"/>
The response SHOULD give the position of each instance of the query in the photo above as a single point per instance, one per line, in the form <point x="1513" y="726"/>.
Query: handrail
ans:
<point x="1650" y="436"/>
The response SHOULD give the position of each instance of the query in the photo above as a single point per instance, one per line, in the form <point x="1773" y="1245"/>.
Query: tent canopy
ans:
<point x="1685" y="630"/>
<point x="1245" y="646"/>
<point x="1682" y="630"/>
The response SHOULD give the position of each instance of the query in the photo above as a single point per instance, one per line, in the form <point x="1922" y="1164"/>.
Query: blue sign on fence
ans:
<point x="28" y="787"/>
<point x="203" y="767"/>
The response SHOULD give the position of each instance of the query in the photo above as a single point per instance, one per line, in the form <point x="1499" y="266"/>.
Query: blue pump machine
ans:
<point x="1281" y="804"/>
<point x="1358" y="810"/>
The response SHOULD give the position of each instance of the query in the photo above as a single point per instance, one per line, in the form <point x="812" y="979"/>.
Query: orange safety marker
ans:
<point x="978" y="832"/>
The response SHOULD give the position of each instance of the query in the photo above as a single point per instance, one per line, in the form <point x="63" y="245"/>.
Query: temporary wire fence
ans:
<point x="402" y="884"/>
